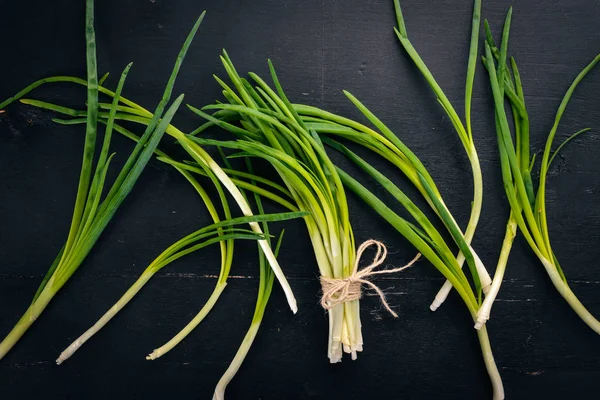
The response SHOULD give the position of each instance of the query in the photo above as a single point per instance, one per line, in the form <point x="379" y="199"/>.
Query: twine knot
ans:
<point x="341" y="290"/>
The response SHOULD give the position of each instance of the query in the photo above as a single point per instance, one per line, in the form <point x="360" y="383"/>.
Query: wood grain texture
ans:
<point x="319" y="48"/>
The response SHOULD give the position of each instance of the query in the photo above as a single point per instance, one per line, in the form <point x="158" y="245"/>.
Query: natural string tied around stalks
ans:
<point x="340" y="290"/>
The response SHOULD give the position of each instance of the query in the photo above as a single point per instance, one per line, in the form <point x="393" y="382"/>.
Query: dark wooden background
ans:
<point x="542" y="349"/>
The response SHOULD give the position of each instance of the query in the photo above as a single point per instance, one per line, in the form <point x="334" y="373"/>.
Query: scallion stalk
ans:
<point x="463" y="130"/>
<point x="264" y="292"/>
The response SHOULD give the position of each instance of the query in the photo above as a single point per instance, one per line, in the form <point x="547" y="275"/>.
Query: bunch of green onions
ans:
<point x="130" y="111"/>
<point x="271" y="129"/>
<point x="92" y="214"/>
<point x="254" y="112"/>
<point x="528" y="205"/>
<point x="423" y="235"/>
<point x="220" y="231"/>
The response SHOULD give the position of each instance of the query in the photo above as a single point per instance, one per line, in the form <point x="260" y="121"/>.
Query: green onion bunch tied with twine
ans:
<point x="270" y="128"/>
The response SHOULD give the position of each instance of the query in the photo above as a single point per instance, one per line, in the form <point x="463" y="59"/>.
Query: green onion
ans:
<point x="194" y="241"/>
<point x="160" y="351"/>
<point x="511" y="226"/>
<point x="264" y="292"/>
<point x="443" y="262"/>
<point x="464" y="131"/>
<point x="528" y="205"/>
<point x="140" y="115"/>
<point x="388" y="146"/>
<point x="266" y="274"/>
<point x="90" y="215"/>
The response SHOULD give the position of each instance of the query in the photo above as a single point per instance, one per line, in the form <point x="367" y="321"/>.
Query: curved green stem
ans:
<point x="490" y="364"/>
<point x="567" y="294"/>
<point x="114" y="310"/>
<point x="208" y="306"/>
<point x="483" y="314"/>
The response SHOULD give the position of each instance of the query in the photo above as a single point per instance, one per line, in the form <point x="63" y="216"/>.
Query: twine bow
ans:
<point x="341" y="290"/>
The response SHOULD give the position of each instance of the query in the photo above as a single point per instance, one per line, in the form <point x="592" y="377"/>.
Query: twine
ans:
<point x="341" y="290"/>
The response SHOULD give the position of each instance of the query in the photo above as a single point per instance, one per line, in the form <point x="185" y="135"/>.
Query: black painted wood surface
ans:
<point x="319" y="48"/>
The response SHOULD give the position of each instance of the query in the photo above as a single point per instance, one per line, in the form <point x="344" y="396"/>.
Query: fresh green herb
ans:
<point x="443" y="261"/>
<point x="528" y="205"/>
<point x="264" y="292"/>
<point x="91" y="215"/>
<point x="390" y="147"/>
<point x="268" y="274"/>
<point x="216" y="232"/>
<point x="522" y="152"/>
<point x="310" y="177"/>
<point x="463" y="130"/>
<point x="270" y="109"/>
<point x="133" y="112"/>
<point x="182" y="247"/>
<point x="261" y="105"/>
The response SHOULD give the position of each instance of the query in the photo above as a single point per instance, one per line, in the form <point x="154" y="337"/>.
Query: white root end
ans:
<point x="482" y="317"/>
<point x="480" y="322"/>
<point x="69" y="351"/>
<point x="153" y="356"/>
<point x="484" y="278"/>
<point x="335" y="351"/>
<point x="336" y="356"/>
<point x="435" y="304"/>
<point x="62" y="358"/>
<point x="441" y="296"/>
